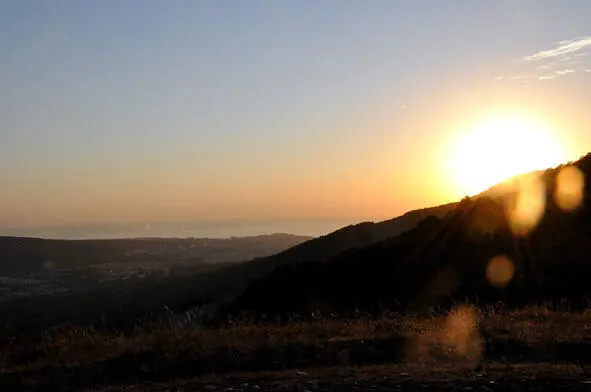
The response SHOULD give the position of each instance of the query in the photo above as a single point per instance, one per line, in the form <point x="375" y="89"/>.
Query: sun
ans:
<point x="498" y="148"/>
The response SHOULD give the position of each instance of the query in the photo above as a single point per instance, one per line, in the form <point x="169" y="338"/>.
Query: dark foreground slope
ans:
<point x="448" y="259"/>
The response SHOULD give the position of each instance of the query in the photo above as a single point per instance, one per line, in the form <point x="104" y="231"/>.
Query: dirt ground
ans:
<point x="490" y="377"/>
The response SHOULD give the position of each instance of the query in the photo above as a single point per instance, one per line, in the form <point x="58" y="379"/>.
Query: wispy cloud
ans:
<point x="564" y="72"/>
<point x="555" y="74"/>
<point x="522" y="77"/>
<point x="564" y="48"/>
<point x="564" y="58"/>
<point x="545" y="66"/>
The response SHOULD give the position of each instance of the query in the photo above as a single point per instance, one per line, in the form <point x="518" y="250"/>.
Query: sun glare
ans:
<point x="500" y="148"/>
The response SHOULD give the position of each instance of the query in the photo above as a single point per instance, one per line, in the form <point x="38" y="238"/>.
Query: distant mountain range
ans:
<point x="19" y="255"/>
<point x="219" y="229"/>
<point x="451" y="253"/>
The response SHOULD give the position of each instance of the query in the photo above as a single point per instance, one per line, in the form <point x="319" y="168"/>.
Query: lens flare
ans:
<point x="461" y="332"/>
<point x="570" y="183"/>
<point x="499" y="271"/>
<point x="453" y="339"/>
<point x="526" y="210"/>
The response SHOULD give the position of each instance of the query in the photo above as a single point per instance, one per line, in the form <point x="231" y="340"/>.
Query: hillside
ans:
<point x="20" y="255"/>
<point x="225" y="283"/>
<point x="447" y="259"/>
<point x="112" y="282"/>
<point x="118" y="282"/>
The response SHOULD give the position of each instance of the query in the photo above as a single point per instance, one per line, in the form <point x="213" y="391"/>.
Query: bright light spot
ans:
<point x="461" y="332"/>
<point x="501" y="147"/>
<point x="570" y="183"/>
<point x="499" y="271"/>
<point x="456" y="337"/>
<point x="527" y="207"/>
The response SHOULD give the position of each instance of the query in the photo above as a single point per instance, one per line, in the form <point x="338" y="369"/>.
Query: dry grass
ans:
<point x="467" y="336"/>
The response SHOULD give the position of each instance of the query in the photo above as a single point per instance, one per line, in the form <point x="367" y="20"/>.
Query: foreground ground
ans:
<point x="465" y="349"/>
<point x="389" y="378"/>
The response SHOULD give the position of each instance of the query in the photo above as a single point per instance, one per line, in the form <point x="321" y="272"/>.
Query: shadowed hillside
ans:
<point x="119" y="282"/>
<point x="483" y="251"/>
<point x="19" y="255"/>
<point x="112" y="282"/>
<point x="356" y="236"/>
<point x="228" y="282"/>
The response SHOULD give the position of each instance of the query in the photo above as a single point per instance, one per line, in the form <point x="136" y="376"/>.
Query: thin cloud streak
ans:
<point x="564" y="71"/>
<point x="522" y="77"/>
<point x="563" y="48"/>
<point x="565" y="58"/>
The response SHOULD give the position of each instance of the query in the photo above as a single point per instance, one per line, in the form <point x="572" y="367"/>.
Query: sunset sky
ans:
<point x="155" y="111"/>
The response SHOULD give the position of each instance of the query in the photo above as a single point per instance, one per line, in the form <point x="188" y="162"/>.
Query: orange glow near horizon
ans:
<point x="499" y="148"/>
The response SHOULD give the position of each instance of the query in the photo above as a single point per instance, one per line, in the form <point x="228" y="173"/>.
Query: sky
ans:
<point x="117" y="112"/>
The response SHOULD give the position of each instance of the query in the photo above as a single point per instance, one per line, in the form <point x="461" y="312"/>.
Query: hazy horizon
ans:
<point x="214" y="229"/>
<point x="119" y="112"/>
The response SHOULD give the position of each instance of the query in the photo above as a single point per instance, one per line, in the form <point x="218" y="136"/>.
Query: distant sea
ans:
<point x="216" y="229"/>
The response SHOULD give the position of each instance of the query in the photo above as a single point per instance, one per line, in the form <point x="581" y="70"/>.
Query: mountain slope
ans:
<point x="355" y="236"/>
<point x="448" y="259"/>
<point x="228" y="282"/>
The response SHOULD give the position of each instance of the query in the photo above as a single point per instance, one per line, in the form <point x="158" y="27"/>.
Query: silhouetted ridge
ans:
<point x="235" y="279"/>
<point x="225" y="284"/>
<point x="442" y="260"/>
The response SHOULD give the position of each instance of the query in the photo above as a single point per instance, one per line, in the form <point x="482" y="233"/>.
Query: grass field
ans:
<point x="463" y="344"/>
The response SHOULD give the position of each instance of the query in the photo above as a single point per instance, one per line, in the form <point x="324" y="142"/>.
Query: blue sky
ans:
<point x="153" y="110"/>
